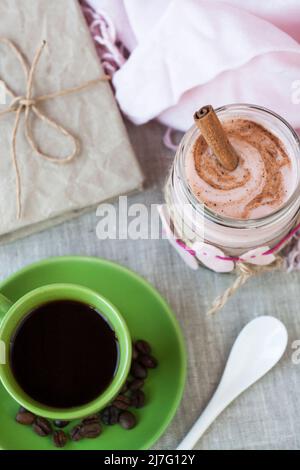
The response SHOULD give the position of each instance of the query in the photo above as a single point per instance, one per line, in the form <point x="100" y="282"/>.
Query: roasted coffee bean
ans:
<point x="125" y="387"/>
<point x="137" y="398"/>
<point x="136" y="384"/>
<point x="59" y="438"/>
<point x="91" y="419"/>
<point x="76" y="433"/>
<point x="135" y="352"/>
<point x="90" y="430"/>
<point x="42" y="427"/>
<point x="22" y="409"/>
<point x="60" y="423"/>
<point x="142" y="346"/>
<point x="127" y="420"/>
<point x="110" y="415"/>
<point x="25" y="417"/>
<point x="148" y="361"/>
<point x="122" y="402"/>
<point x="138" y="371"/>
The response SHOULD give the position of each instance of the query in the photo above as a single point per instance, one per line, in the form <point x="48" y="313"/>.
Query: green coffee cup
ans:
<point x="11" y="314"/>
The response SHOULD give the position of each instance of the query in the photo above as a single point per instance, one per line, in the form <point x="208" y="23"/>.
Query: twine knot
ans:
<point x="29" y="105"/>
<point x="244" y="269"/>
<point x="21" y="102"/>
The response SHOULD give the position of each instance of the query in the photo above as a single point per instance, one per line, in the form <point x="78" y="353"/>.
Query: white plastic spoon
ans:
<point x="258" y="347"/>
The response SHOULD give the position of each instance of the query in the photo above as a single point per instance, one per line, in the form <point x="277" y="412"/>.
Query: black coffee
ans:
<point x="64" y="354"/>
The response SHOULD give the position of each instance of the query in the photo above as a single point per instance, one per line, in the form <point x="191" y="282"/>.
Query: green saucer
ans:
<point x="147" y="316"/>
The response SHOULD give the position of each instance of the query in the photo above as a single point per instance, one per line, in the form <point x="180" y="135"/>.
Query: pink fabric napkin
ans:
<point x="188" y="53"/>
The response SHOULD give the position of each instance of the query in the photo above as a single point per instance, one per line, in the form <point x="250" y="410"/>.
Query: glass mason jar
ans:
<point x="194" y="222"/>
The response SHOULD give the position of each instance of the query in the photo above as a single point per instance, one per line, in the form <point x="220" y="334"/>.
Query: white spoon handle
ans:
<point x="257" y="349"/>
<point x="211" y="412"/>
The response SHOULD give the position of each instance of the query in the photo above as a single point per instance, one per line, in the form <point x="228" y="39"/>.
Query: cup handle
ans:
<point x="5" y="305"/>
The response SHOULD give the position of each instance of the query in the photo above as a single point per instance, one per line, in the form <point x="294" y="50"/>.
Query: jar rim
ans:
<point x="294" y="198"/>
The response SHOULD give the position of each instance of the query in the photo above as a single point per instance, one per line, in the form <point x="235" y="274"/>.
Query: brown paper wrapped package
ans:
<point x="105" y="167"/>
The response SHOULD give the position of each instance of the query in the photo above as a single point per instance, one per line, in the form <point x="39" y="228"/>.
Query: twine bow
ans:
<point x="29" y="104"/>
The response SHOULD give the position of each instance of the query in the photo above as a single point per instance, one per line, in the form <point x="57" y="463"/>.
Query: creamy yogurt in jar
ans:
<point x="255" y="205"/>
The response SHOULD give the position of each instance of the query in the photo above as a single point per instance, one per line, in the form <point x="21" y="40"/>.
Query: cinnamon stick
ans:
<point x="215" y="137"/>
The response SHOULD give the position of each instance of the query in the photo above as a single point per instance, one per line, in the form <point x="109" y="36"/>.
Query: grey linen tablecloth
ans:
<point x="267" y="416"/>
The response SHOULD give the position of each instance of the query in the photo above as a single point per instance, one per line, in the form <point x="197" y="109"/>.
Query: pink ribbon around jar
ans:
<point x="261" y="258"/>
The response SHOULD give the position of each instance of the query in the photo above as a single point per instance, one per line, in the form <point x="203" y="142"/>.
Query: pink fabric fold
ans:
<point x="188" y="53"/>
